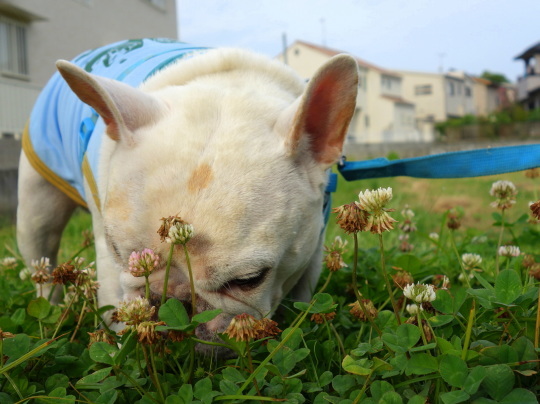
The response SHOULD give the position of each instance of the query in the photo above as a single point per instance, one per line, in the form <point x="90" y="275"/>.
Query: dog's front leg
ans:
<point x="42" y="213"/>
<point x="108" y="271"/>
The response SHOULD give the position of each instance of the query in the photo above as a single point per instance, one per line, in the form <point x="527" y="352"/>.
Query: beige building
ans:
<point x="486" y="96"/>
<point x="35" y="33"/>
<point x="383" y="114"/>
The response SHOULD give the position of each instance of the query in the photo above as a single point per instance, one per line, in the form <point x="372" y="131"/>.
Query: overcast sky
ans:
<point x="469" y="35"/>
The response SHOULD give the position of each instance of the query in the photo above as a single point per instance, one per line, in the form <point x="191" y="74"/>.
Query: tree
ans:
<point x="496" y="78"/>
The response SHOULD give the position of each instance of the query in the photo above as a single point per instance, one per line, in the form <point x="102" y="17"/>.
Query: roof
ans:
<point x="530" y="52"/>
<point x="481" y="80"/>
<point x="397" y="100"/>
<point x="333" y="52"/>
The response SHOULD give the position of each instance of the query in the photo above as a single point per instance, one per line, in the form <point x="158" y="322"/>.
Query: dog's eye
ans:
<point x="250" y="281"/>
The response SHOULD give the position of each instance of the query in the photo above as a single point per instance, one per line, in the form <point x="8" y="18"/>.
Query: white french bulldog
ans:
<point x="234" y="143"/>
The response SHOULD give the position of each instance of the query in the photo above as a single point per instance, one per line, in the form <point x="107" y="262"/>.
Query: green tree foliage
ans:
<point x="496" y="78"/>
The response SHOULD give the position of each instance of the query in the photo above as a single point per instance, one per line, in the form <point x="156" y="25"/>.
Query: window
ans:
<point x="13" y="58"/>
<point x="451" y="88"/>
<point x="160" y="4"/>
<point x="87" y="3"/>
<point x="424" y="89"/>
<point x="386" y="82"/>
<point x="468" y="92"/>
<point x="366" y="121"/>
<point x="362" y="82"/>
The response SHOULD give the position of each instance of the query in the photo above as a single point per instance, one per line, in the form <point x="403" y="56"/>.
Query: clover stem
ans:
<point x="461" y="266"/>
<point x="355" y="287"/>
<point x="191" y="283"/>
<point x="387" y="280"/>
<point x="499" y="243"/>
<point x="537" y="327"/>
<point x="166" y="280"/>
<point x="421" y="325"/>
<point x="323" y="287"/>
<point x="468" y="332"/>
<point x="147" y="287"/>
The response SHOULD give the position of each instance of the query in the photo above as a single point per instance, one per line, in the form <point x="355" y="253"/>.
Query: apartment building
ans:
<point x="383" y="113"/>
<point x="36" y="33"/>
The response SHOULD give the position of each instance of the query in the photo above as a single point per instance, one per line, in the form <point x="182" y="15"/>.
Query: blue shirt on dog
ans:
<point x="59" y="141"/>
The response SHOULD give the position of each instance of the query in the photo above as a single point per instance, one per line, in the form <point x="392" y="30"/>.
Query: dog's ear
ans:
<point x="324" y="111"/>
<point x="123" y="108"/>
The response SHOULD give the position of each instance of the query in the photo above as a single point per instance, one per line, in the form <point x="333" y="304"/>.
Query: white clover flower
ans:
<point x="505" y="192"/>
<point x="407" y="213"/>
<point x="434" y="236"/>
<point x="479" y="239"/>
<point x="461" y="277"/>
<point x="445" y="282"/>
<point x="25" y="274"/>
<point x="135" y="311"/>
<point x="42" y="264"/>
<point x="471" y="261"/>
<point x="509" y="251"/>
<point x="502" y="189"/>
<point x="8" y="262"/>
<point x="339" y="245"/>
<point x="180" y="233"/>
<point x="375" y="200"/>
<point x="420" y="292"/>
<point x="414" y="309"/>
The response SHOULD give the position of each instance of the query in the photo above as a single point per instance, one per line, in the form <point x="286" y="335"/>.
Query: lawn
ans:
<point x="467" y="330"/>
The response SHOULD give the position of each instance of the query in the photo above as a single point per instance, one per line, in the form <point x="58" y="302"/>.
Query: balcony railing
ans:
<point x="527" y="85"/>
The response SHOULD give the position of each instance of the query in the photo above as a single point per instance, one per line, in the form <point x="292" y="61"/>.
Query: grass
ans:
<point x="477" y="341"/>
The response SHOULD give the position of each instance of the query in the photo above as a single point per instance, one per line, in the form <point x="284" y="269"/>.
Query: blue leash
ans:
<point x="460" y="164"/>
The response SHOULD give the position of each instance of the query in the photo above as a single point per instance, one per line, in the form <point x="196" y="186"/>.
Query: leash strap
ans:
<point x="460" y="164"/>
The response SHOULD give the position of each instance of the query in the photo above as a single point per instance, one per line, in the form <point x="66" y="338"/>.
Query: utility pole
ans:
<point x="323" y="31"/>
<point x="284" y="44"/>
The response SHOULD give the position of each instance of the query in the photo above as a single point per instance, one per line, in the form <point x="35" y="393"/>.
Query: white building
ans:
<point x="383" y="113"/>
<point x="36" y="33"/>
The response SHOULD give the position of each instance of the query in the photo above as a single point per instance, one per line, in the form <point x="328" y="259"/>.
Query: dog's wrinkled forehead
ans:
<point x="228" y="186"/>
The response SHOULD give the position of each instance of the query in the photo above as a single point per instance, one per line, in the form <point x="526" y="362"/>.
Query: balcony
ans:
<point x="527" y="85"/>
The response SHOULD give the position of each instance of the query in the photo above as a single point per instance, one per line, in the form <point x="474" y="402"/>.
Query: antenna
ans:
<point x="441" y="62"/>
<point x="323" y="31"/>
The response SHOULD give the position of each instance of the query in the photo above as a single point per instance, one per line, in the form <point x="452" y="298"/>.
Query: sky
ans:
<point x="422" y="35"/>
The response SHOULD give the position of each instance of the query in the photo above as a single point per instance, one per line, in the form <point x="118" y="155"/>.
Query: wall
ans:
<point x="426" y="104"/>
<point x="70" y="27"/>
<point x="16" y="99"/>
<point x="62" y="29"/>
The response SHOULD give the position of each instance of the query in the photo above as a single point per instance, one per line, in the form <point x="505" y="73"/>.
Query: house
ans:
<point x="486" y="96"/>
<point x="36" y="33"/>
<point x="382" y="114"/>
<point x="439" y="96"/>
<point x="528" y="86"/>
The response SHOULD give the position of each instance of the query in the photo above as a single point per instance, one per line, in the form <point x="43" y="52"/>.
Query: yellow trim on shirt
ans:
<point x="46" y="172"/>
<point x="87" y="172"/>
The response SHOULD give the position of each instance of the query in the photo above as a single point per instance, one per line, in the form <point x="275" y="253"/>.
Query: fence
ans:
<point x="468" y="137"/>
